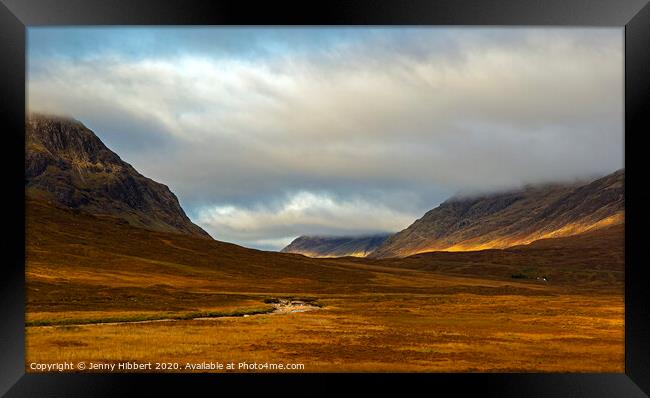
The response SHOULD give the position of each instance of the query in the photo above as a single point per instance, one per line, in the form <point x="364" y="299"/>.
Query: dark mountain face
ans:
<point x="512" y="218"/>
<point x="68" y="165"/>
<point x="335" y="246"/>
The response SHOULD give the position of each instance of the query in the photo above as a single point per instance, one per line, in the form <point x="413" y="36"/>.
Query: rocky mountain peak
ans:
<point x="67" y="164"/>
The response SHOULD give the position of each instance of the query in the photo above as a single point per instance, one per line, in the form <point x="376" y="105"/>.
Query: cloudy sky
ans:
<point x="265" y="134"/>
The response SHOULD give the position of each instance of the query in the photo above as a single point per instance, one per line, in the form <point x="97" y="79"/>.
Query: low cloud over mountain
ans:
<point x="390" y="122"/>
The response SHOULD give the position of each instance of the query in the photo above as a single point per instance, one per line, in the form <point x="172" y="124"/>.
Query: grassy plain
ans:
<point x="90" y="279"/>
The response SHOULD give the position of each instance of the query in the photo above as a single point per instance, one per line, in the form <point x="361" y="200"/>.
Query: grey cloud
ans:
<point x="384" y="124"/>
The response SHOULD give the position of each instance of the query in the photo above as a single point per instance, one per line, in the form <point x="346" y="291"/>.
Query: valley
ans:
<point x="89" y="278"/>
<point x="524" y="281"/>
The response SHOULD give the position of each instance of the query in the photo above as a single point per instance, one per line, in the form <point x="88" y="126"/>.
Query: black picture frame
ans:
<point x="633" y="15"/>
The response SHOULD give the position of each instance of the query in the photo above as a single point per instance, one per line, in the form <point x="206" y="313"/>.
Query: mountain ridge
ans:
<point x="516" y="217"/>
<point x="335" y="246"/>
<point x="67" y="164"/>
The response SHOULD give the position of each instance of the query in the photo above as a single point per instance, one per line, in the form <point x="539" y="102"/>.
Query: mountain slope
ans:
<point x="512" y="218"/>
<point x="68" y="165"/>
<point x="335" y="246"/>
<point x="595" y="258"/>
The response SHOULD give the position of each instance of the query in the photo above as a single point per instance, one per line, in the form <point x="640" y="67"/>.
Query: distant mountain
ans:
<point x="335" y="246"/>
<point x="67" y="165"/>
<point x="512" y="218"/>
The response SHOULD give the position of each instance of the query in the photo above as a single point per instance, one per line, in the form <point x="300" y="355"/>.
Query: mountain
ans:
<point x="592" y="257"/>
<point x="512" y="218"/>
<point x="66" y="164"/>
<point x="335" y="246"/>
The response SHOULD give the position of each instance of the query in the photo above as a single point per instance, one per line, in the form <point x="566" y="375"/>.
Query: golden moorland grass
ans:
<point x="440" y="312"/>
<point x="446" y="333"/>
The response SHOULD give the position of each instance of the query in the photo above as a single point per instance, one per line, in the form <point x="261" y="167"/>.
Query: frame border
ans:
<point x="634" y="15"/>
